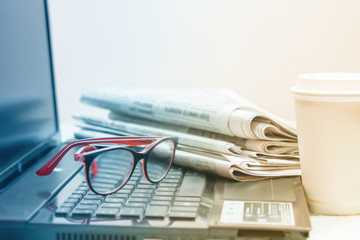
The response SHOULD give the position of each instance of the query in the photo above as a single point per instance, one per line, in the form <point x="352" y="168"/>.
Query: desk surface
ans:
<point x="334" y="227"/>
<point x="323" y="227"/>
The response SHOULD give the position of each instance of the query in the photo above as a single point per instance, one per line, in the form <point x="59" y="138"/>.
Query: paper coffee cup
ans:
<point x="328" y="124"/>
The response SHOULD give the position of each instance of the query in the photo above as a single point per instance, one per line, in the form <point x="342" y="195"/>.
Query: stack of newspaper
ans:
<point x="219" y="131"/>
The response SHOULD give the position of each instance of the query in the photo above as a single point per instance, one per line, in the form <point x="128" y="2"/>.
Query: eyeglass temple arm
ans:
<point x="131" y="141"/>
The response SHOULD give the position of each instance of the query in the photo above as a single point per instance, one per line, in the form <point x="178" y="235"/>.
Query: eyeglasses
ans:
<point x="108" y="165"/>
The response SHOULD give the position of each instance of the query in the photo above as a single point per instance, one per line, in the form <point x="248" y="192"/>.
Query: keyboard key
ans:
<point x="124" y="191"/>
<point x="131" y="182"/>
<point x="130" y="187"/>
<point x="182" y="215"/>
<point x="168" y="184"/>
<point x="170" y="180"/>
<point x="173" y="176"/>
<point x="112" y="172"/>
<point x="86" y="206"/>
<point x="141" y="195"/>
<point x="82" y="212"/>
<point x="67" y="204"/>
<point x="159" y="193"/>
<point x="166" y="189"/>
<point x="188" y="199"/>
<point x="156" y="212"/>
<point x="107" y="212"/>
<point x="103" y="185"/>
<point x="72" y="200"/>
<point x="136" y="204"/>
<point x="135" y="199"/>
<point x="111" y="205"/>
<point x="62" y="211"/>
<point x="132" y="212"/>
<point x="148" y="191"/>
<point x="106" y="181"/>
<point x="83" y="185"/>
<point x="102" y="190"/>
<point x="135" y="176"/>
<point x="80" y="192"/>
<point x="115" y="200"/>
<point x="162" y="198"/>
<point x="118" y="195"/>
<point x="184" y="209"/>
<point x="92" y="193"/>
<point x="186" y="204"/>
<point x="105" y="176"/>
<point x="192" y="186"/>
<point x="75" y="196"/>
<point x="83" y="188"/>
<point x="90" y="201"/>
<point x="93" y="197"/>
<point x="145" y="186"/>
<point x="160" y="203"/>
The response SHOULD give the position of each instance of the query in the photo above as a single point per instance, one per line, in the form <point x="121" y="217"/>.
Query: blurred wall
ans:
<point x="256" y="48"/>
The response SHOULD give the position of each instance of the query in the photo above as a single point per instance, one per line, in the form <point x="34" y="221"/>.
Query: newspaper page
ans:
<point x="234" y="167"/>
<point x="209" y="110"/>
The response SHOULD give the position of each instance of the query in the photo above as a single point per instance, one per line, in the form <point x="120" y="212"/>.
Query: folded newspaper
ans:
<point x="219" y="132"/>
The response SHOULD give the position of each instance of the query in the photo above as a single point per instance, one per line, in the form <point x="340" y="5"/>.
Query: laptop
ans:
<point x="184" y="205"/>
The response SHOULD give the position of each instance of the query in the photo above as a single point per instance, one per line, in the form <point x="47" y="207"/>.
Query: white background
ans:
<point x="256" y="47"/>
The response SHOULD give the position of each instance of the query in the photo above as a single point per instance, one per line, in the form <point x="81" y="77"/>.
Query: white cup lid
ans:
<point x="337" y="85"/>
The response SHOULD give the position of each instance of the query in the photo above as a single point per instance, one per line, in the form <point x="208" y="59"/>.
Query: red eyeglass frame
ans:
<point x="89" y="150"/>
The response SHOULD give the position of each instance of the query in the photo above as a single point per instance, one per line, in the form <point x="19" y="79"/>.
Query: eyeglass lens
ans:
<point x="159" y="160"/>
<point x="113" y="169"/>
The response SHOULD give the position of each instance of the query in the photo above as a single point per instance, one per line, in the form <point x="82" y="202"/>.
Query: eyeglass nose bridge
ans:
<point x="139" y="155"/>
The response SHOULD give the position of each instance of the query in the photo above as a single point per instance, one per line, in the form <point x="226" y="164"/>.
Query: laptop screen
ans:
<point x="27" y="104"/>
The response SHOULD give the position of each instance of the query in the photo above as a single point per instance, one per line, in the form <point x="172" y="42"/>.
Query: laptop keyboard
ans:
<point x="177" y="196"/>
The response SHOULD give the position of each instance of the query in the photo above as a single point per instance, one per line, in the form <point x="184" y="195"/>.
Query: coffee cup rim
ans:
<point x="325" y="96"/>
<point x="337" y="86"/>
